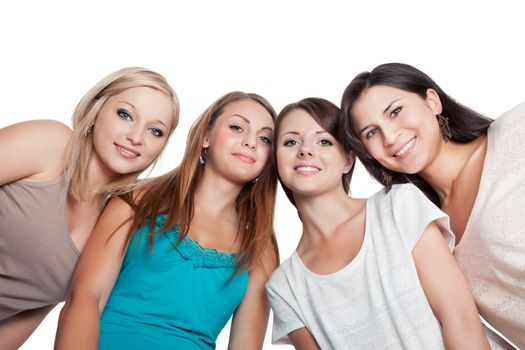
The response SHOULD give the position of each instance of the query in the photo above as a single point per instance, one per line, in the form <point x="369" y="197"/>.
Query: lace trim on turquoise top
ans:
<point x="193" y="251"/>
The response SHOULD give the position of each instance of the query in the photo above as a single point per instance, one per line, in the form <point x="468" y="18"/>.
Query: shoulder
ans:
<point x="279" y="277"/>
<point x="399" y="195"/>
<point x="49" y="135"/>
<point x="46" y="127"/>
<point x="512" y="119"/>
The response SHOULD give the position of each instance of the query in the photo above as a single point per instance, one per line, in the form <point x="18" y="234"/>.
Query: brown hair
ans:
<point x="80" y="146"/>
<point x="173" y="193"/>
<point x="327" y="115"/>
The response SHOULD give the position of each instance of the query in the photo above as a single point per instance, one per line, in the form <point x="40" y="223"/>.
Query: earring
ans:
<point x="386" y="179"/>
<point x="88" y="130"/>
<point x="444" y="127"/>
<point x="254" y="181"/>
<point x="202" y="156"/>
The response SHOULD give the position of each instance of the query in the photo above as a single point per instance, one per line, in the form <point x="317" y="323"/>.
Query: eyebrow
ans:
<point x="135" y="108"/>
<point x="248" y="122"/>
<point x="297" y="132"/>
<point x="126" y="102"/>
<point x="386" y="109"/>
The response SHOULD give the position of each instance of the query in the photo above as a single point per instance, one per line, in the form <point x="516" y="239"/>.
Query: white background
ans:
<point x="52" y="52"/>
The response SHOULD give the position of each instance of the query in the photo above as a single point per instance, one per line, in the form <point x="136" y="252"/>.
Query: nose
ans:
<point x="135" y="136"/>
<point x="390" y="133"/>
<point x="305" y="151"/>
<point x="250" y="141"/>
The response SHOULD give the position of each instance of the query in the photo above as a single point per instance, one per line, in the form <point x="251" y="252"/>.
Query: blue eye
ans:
<point x="265" y="139"/>
<point x="371" y="133"/>
<point x="290" y="143"/>
<point x="395" y="112"/>
<point x="235" y="127"/>
<point x="325" y="142"/>
<point x="124" y="114"/>
<point x="156" y="132"/>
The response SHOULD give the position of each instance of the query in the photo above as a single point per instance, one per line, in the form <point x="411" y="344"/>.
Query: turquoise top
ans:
<point x="176" y="297"/>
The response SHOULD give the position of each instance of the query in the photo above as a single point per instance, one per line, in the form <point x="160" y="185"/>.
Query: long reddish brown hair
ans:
<point x="173" y="193"/>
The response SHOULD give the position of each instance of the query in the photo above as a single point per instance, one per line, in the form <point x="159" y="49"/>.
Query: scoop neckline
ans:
<point x="342" y="272"/>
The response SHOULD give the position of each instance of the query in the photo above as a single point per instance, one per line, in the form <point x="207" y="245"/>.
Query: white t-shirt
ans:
<point x="374" y="302"/>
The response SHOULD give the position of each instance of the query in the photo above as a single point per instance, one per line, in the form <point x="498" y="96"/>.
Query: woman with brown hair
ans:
<point x="54" y="183"/>
<point x="199" y="245"/>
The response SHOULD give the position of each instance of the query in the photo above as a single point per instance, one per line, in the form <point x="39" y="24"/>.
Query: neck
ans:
<point x="443" y="172"/>
<point x="322" y="214"/>
<point x="98" y="177"/>
<point x="216" y="195"/>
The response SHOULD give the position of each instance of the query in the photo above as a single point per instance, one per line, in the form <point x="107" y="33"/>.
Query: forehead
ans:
<point x="141" y="94"/>
<point x="380" y="93"/>
<point x="253" y="111"/>
<point x="299" y="120"/>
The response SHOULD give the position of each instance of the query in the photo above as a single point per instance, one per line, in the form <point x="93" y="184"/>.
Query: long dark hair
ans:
<point x="465" y="124"/>
<point x="327" y="115"/>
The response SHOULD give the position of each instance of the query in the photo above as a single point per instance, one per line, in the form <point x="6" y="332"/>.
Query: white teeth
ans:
<point x="405" y="148"/>
<point x="127" y="152"/>
<point x="306" y="168"/>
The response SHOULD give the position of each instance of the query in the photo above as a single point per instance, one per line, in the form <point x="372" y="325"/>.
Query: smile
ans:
<point x="244" y="157"/>
<point x="127" y="152"/>
<point x="306" y="169"/>
<point x="406" y="148"/>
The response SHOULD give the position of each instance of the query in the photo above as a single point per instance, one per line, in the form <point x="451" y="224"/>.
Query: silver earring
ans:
<point x="88" y="130"/>
<point x="202" y="156"/>
<point x="254" y="181"/>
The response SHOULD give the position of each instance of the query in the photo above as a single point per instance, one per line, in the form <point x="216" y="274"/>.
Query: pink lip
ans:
<point x="127" y="152"/>
<point x="245" y="158"/>
<point x="409" y="150"/>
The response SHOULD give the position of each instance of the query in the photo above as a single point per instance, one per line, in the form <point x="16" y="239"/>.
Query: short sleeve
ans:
<point x="285" y="316"/>
<point x="413" y="212"/>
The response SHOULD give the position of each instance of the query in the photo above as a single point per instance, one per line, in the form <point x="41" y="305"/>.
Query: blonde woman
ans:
<point x="57" y="181"/>
<point x="168" y="268"/>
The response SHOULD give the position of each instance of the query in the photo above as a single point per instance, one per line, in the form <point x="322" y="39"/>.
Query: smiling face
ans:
<point x="310" y="161"/>
<point x="398" y="128"/>
<point x="239" y="142"/>
<point x="131" y="129"/>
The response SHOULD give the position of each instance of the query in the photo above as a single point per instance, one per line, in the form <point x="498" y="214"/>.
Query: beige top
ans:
<point x="492" y="250"/>
<point x="37" y="255"/>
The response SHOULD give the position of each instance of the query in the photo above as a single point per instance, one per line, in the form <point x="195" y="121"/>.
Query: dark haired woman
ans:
<point x="404" y="128"/>
<point x="370" y="273"/>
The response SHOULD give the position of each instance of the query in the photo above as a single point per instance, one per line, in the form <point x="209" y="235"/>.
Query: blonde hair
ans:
<point x="80" y="146"/>
<point x="173" y="193"/>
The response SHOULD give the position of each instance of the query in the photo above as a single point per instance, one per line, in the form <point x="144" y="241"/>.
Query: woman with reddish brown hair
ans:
<point x="167" y="266"/>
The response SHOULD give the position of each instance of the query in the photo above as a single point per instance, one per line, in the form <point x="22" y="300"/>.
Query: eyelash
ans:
<point x="395" y="112"/>
<point x="371" y="133"/>
<point x="265" y="139"/>
<point x="156" y="132"/>
<point x="326" y="143"/>
<point x="124" y="114"/>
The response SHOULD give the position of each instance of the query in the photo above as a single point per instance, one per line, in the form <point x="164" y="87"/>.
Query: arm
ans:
<point x="15" y="330"/>
<point x="302" y="339"/>
<point x="447" y="292"/>
<point x="95" y="275"/>
<point x="33" y="149"/>
<point x="250" y="320"/>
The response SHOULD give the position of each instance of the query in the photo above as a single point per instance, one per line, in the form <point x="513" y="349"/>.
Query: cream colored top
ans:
<point x="374" y="302"/>
<point x="492" y="250"/>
